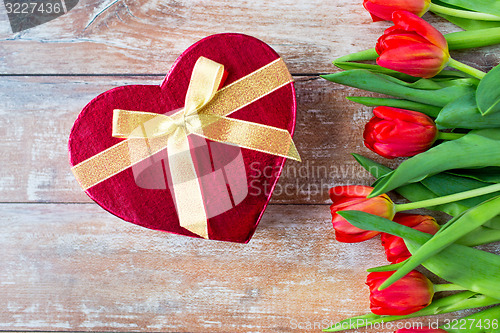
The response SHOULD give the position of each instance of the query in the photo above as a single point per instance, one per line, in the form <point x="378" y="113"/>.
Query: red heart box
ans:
<point x="236" y="183"/>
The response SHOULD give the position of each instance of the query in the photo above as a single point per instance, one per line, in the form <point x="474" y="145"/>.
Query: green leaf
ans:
<point x="386" y="268"/>
<point x="488" y="92"/>
<point x="484" y="6"/>
<point x="456" y="302"/>
<point x="463" y="113"/>
<point x="430" y="110"/>
<point x="375" y="69"/>
<point x="473" y="38"/>
<point x="470" y="25"/>
<point x="448" y="234"/>
<point x="437" y="94"/>
<point x="494" y="224"/>
<point x="443" y="75"/>
<point x="470" y="268"/>
<point x="445" y="184"/>
<point x="432" y="187"/>
<point x="475" y="25"/>
<point x="434" y="84"/>
<point x="476" y="149"/>
<point x="482" y="235"/>
<point x="412" y="192"/>
<point x="486" y="175"/>
<point x="369" y="54"/>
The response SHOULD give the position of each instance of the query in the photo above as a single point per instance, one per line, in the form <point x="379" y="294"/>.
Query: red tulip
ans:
<point x="354" y="198"/>
<point x="412" y="46"/>
<point x="395" y="247"/>
<point x="394" y="132"/>
<point x="409" y="294"/>
<point x="381" y="10"/>
<point x="421" y="330"/>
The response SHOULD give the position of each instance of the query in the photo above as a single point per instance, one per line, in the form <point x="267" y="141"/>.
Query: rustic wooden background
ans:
<point x="66" y="264"/>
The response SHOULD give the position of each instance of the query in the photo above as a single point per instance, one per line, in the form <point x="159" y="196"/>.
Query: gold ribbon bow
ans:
<point x="205" y="114"/>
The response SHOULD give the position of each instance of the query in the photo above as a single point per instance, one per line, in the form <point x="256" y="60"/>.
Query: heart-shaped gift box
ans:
<point x="236" y="183"/>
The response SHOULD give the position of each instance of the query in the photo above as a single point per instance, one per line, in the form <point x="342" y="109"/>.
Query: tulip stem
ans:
<point x="369" y="54"/>
<point x="449" y="136"/>
<point x="466" y="69"/>
<point x="437" y="9"/>
<point x="447" y="287"/>
<point x="448" y="198"/>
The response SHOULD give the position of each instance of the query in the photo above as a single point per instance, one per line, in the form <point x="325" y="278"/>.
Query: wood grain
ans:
<point x="67" y="265"/>
<point x="76" y="267"/>
<point x="125" y="36"/>
<point x="38" y="113"/>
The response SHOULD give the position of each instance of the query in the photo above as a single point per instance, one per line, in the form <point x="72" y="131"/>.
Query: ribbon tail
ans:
<point x="245" y="134"/>
<point x="185" y="185"/>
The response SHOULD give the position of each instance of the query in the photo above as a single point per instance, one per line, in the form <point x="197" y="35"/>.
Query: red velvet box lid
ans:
<point x="236" y="183"/>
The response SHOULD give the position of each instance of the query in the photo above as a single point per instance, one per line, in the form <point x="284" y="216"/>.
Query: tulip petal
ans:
<point x="410" y="294"/>
<point x="339" y="192"/>
<point x="394" y="246"/>
<point x="411" y="22"/>
<point x="394" y="132"/>
<point x="354" y="197"/>
<point x="384" y="8"/>
<point x="389" y="113"/>
<point x="398" y="39"/>
<point x="421" y="60"/>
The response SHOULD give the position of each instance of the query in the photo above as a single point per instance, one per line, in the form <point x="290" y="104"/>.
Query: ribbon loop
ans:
<point x="205" y="80"/>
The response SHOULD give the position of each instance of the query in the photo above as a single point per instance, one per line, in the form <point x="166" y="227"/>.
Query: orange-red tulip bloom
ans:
<point x="381" y="10"/>
<point x="412" y="46"/>
<point x="395" y="247"/>
<point x="354" y="198"/>
<point x="411" y="293"/>
<point x="394" y="132"/>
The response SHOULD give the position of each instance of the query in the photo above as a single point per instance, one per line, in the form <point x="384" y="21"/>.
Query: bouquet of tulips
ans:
<point x="447" y="124"/>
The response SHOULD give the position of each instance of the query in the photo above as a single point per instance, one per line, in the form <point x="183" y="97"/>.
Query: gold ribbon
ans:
<point x="205" y="114"/>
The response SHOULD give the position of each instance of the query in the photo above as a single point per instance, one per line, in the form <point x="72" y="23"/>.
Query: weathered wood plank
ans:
<point x="76" y="267"/>
<point x="123" y="36"/>
<point x="37" y="114"/>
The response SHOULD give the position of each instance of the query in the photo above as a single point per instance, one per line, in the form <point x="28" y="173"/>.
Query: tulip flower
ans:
<point x="354" y="198"/>
<point x="410" y="294"/>
<point x="395" y="247"/>
<point x="381" y="10"/>
<point x="412" y="46"/>
<point x="421" y="330"/>
<point x="394" y="132"/>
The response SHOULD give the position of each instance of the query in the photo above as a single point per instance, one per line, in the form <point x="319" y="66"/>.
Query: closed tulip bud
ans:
<point x="412" y="46"/>
<point x="381" y="10"/>
<point x="421" y="330"/>
<point x="409" y="294"/>
<point x="395" y="247"/>
<point x="394" y="132"/>
<point x="354" y="198"/>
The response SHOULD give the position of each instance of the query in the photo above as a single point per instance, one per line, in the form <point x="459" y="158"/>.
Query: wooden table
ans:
<point x="66" y="264"/>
